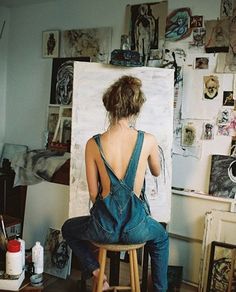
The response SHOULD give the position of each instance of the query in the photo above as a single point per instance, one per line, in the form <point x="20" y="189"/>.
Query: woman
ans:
<point x="116" y="163"/>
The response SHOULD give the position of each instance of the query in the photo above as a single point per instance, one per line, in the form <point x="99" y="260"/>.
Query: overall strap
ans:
<point x="133" y="164"/>
<point x="110" y="172"/>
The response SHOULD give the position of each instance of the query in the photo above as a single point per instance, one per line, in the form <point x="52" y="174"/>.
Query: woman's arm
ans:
<point x="153" y="158"/>
<point x="91" y="169"/>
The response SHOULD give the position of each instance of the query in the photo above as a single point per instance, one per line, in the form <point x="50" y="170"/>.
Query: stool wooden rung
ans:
<point x="133" y="263"/>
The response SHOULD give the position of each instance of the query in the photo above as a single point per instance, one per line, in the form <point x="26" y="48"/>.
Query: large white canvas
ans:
<point x="89" y="118"/>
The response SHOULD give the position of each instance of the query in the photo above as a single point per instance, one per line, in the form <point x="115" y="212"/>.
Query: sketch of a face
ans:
<point x="211" y="87"/>
<point x="198" y="36"/>
<point x="188" y="135"/>
<point x="64" y="84"/>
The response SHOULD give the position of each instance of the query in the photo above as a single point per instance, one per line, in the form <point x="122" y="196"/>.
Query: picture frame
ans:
<point x="51" y="42"/>
<point x="222" y="267"/>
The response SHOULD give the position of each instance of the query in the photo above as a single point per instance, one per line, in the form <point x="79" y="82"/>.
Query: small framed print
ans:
<point x="51" y="41"/>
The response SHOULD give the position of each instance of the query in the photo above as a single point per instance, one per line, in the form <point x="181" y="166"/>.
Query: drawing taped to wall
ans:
<point x="189" y="135"/>
<point x="228" y="99"/>
<point x="211" y="86"/>
<point x="201" y="63"/>
<point x="51" y="44"/>
<point x="208" y="131"/>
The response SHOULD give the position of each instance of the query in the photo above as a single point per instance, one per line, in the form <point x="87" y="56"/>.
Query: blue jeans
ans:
<point x="77" y="233"/>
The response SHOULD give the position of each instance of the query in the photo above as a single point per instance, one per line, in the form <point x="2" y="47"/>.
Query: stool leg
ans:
<point x="136" y="273"/>
<point x="102" y="261"/>
<point x="131" y="264"/>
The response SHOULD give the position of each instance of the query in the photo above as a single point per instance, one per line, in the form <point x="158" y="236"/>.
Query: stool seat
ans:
<point x="134" y="273"/>
<point x="119" y="246"/>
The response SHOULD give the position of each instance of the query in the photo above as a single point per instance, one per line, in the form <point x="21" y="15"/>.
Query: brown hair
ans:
<point x="124" y="98"/>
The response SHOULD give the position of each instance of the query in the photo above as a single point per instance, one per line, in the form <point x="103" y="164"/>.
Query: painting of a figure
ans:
<point x="93" y="42"/>
<point x="51" y="44"/>
<point x="147" y="27"/>
<point x="177" y="24"/>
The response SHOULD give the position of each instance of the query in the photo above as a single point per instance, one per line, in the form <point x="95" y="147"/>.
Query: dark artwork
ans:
<point x="223" y="176"/>
<point x="147" y="27"/>
<point x="62" y="79"/>
<point x="228" y="99"/>
<point x="222" y="268"/>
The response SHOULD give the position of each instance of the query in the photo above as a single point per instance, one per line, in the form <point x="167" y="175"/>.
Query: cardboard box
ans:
<point x="12" y="225"/>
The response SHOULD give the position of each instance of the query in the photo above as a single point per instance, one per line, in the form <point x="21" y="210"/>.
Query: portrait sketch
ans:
<point x="228" y="99"/>
<point x="147" y="27"/>
<point x="211" y="86"/>
<point x="188" y="135"/>
<point x="51" y="44"/>
<point x="208" y="131"/>
<point x="62" y="80"/>
<point x="93" y="42"/>
<point x="201" y="63"/>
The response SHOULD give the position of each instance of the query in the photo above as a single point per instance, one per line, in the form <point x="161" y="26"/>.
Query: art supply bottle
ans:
<point x="22" y="247"/>
<point x="13" y="258"/>
<point x="37" y="257"/>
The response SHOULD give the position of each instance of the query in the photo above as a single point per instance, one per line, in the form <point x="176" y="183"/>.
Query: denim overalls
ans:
<point x="120" y="217"/>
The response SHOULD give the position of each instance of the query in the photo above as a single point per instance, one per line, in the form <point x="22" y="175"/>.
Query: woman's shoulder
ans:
<point x="150" y="139"/>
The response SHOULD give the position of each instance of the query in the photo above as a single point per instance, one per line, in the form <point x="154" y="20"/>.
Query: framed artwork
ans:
<point x="222" y="267"/>
<point x="62" y="79"/>
<point x="51" y="41"/>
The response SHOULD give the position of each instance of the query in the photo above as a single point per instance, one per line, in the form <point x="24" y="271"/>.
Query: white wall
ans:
<point x="29" y="75"/>
<point x="4" y="16"/>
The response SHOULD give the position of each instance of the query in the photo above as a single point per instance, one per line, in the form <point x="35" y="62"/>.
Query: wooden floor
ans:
<point x="72" y="284"/>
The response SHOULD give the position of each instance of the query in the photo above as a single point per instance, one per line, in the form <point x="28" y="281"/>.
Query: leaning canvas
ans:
<point x="89" y="118"/>
<point x="223" y="176"/>
<point x="57" y="254"/>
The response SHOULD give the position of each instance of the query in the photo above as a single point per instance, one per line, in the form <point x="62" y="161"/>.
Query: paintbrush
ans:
<point x="3" y="241"/>
<point x="3" y="227"/>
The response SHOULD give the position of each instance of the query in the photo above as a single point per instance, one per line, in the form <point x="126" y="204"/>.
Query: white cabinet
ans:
<point x="186" y="229"/>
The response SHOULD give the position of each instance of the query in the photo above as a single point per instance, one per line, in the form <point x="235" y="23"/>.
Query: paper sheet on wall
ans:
<point x="89" y="118"/>
<point x="194" y="106"/>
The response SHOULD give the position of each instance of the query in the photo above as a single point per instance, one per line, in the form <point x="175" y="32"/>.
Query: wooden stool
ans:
<point x="134" y="273"/>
